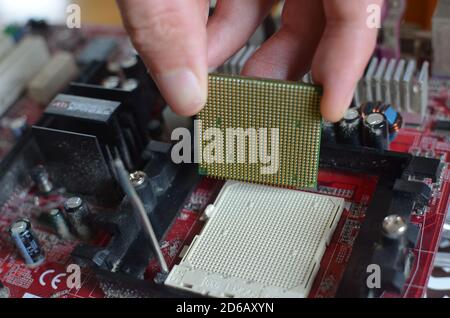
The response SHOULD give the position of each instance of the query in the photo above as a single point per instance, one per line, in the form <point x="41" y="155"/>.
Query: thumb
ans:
<point x="170" y="36"/>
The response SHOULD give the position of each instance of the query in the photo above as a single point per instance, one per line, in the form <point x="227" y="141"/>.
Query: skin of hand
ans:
<point x="179" y="43"/>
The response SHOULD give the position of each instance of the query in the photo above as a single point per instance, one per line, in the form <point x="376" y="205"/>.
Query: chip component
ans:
<point x="260" y="241"/>
<point x="269" y="130"/>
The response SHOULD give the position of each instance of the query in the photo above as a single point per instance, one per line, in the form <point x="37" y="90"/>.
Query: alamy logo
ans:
<point x="374" y="18"/>
<point x="73" y="20"/>
<point x="228" y="146"/>
<point x="374" y="278"/>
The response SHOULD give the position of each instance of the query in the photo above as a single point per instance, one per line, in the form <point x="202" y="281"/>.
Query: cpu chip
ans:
<point x="279" y="124"/>
<point x="259" y="241"/>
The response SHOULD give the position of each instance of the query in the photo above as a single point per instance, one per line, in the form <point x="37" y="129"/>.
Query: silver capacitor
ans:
<point x="111" y="82"/>
<point x="4" y="291"/>
<point x="77" y="213"/>
<point x="130" y="84"/>
<point x="59" y="224"/>
<point x="349" y="128"/>
<point x="26" y="242"/>
<point x="130" y="66"/>
<point x="328" y="132"/>
<point x="376" y="131"/>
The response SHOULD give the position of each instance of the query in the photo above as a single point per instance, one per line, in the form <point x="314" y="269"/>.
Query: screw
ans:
<point x="137" y="178"/>
<point x="394" y="226"/>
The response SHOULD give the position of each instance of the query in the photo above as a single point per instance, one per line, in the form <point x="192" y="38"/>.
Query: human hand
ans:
<point x="178" y="43"/>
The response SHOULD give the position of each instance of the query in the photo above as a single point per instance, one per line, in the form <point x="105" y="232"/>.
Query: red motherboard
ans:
<point x="48" y="280"/>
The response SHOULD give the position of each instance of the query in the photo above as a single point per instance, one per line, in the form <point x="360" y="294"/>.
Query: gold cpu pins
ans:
<point x="261" y="131"/>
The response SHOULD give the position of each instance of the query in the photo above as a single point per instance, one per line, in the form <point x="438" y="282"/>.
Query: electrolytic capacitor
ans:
<point x="130" y="84"/>
<point x="349" y="128"/>
<point x="376" y="133"/>
<point x="393" y="117"/>
<point x="59" y="223"/>
<point x="4" y="291"/>
<point x="41" y="178"/>
<point x="113" y="67"/>
<point x="111" y="82"/>
<point x="77" y="213"/>
<point x="328" y="132"/>
<point x="129" y="66"/>
<point x="26" y="242"/>
<point x="141" y="184"/>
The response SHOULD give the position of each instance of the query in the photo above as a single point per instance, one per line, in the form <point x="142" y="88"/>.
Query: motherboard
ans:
<point x="379" y="199"/>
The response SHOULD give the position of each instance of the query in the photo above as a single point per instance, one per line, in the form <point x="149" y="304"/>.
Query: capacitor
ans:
<point x="393" y="117"/>
<point x="40" y="177"/>
<point x="328" y="132"/>
<point x="142" y="185"/>
<point x="375" y="132"/>
<point x="26" y="242"/>
<point x="4" y="291"/>
<point x="113" y="67"/>
<point x="111" y="82"/>
<point x="130" y="84"/>
<point x="129" y="66"/>
<point x="349" y="128"/>
<point x="77" y="213"/>
<point x="59" y="223"/>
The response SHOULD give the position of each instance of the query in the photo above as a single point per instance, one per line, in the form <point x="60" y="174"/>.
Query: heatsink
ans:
<point x="259" y="241"/>
<point x="292" y="109"/>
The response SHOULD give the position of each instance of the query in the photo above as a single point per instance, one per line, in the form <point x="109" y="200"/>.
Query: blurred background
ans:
<point x="419" y="12"/>
<point x="93" y="11"/>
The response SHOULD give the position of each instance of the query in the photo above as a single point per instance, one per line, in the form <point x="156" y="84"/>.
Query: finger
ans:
<point x="171" y="38"/>
<point x="343" y="53"/>
<point x="231" y="25"/>
<point x="204" y="8"/>
<point x="288" y="54"/>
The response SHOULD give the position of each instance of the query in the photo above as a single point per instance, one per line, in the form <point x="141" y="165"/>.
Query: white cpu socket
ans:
<point x="259" y="241"/>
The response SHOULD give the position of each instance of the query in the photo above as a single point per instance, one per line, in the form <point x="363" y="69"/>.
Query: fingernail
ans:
<point x="182" y="90"/>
